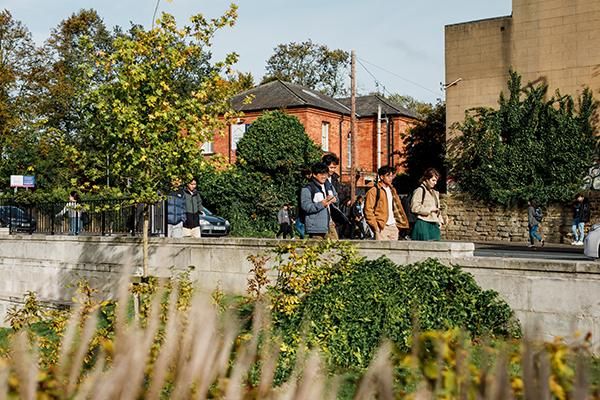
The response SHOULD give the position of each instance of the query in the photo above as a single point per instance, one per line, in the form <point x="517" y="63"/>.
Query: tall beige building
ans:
<point x="554" y="41"/>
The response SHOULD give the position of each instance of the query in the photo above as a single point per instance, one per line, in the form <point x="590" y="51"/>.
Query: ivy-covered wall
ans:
<point x="474" y="221"/>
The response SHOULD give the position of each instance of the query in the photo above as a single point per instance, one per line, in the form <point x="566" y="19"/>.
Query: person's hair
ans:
<point x="319" y="168"/>
<point x="386" y="169"/>
<point x="429" y="173"/>
<point x="74" y="195"/>
<point x="330" y="158"/>
<point x="359" y="197"/>
<point x="533" y="203"/>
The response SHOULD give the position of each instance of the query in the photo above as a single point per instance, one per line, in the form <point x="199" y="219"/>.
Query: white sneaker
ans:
<point x="574" y="243"/>
<point x="579" y="243"/>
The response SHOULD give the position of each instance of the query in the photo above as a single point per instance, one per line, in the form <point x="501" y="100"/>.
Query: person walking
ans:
<point x="193" y="208"/>
<point x="425" y="204"/>
<point x="581" y="216"/>
<point x="315" y="200"/>
<point x="534" y="217"/>
<point x="176" y="210"/>
<point x="73" y="211"/>
<point x="383" y="208"/>
<point x="285" y="222"/>
<point x="332" y="184"/>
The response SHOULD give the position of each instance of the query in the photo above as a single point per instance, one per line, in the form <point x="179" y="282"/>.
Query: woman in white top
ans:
<point x="425" y="204"/>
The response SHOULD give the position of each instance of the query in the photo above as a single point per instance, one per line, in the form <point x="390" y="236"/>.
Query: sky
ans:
<point x="399" y="44"/>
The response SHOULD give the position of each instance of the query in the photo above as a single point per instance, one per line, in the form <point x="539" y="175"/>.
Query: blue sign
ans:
<point x="28" y="181"/>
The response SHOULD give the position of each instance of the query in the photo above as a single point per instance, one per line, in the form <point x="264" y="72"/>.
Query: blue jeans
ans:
<point x="74" y="225"/>
<point x="533" y="233"/>
<point x="578" y="228"/>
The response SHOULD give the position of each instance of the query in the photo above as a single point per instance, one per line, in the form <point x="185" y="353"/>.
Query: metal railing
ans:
<point x="86" y="217"/>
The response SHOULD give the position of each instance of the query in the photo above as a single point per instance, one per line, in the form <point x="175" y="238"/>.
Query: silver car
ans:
<point x="591" y="246"/>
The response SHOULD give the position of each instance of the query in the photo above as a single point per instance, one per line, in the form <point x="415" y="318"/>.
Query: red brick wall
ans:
<point x="339" y="127"/>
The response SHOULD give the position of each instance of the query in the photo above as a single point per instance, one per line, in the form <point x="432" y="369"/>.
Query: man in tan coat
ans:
<point x="383" y="209"/>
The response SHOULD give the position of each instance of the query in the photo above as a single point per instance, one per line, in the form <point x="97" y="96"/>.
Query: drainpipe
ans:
<point x="390" y="128"/>
<point x="379" y="136"/>
<point x="341" y="148"/>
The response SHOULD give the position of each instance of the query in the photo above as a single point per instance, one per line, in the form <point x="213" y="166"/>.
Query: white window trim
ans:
<point x="325" y="136"/>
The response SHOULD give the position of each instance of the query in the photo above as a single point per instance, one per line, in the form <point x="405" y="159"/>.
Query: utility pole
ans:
<point x="353" y="127"/>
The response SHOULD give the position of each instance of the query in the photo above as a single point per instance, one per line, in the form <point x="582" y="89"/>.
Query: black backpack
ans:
<point x="538" y="214"/>
<point x="406" y="202"/>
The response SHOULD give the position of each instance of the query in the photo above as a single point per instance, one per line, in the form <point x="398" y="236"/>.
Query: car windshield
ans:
<point x="206" y="211"/>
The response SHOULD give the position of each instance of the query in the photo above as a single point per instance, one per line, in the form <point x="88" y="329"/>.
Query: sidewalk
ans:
<point x="550" y="247"/>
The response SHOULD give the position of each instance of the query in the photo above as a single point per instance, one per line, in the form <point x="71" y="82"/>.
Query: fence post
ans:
<point x="103" y="222"/>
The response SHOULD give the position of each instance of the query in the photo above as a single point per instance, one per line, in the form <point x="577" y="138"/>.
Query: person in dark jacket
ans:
<point x="581" y="215"/>
<point x="193" y="209"/>
<point x="315" y="199"/>
<point x="176" y="211"/>
<point x="285" y="222"/>
<point x="534" y="216"/>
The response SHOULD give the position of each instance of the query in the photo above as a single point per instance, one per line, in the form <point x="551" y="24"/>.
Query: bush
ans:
<point x="271" y="156"/>
<point x="350" y="311"/>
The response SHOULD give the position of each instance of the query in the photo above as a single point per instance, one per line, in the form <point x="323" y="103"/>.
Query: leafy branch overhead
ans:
<point x="161" y="98"/>
<point x="531" y="147"/>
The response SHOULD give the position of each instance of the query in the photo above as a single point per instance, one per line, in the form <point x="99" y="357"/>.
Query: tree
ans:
<point x="529" y="148"/>
<point x="160" y="101"/>
<point x="419" y="108"/>
<point x="312" y="65"/>
<point x="425" y="147"/>
<point x="69" y="76"/>
<point x="20" y="66"/>
<point x="276" y="145"/>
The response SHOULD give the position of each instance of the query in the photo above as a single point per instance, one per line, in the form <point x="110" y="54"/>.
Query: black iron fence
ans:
<point x="86" y="217"/>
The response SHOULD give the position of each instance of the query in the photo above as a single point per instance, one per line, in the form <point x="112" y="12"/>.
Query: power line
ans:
<point x="396" y="75"/>
<point x="377" y="83"/>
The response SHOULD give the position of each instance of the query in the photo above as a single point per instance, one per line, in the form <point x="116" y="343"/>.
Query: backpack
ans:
<point x="406" y="202"/>
<point x="538" y="214"/>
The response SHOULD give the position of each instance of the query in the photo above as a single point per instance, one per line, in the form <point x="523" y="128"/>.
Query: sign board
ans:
<point x="25" y="181"/>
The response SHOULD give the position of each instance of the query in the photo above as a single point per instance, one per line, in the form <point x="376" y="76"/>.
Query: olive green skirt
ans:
<point x="424" y="230"/>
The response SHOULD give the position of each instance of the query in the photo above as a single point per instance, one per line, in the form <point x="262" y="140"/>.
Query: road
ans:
<point x="520" y="250"/>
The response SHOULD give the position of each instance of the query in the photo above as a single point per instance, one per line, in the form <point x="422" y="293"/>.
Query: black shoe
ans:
<point x="543" y="242"/>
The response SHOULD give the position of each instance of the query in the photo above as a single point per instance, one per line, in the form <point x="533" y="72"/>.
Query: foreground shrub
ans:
<point x="348" y="313"/>
<point x="183" y="345"/>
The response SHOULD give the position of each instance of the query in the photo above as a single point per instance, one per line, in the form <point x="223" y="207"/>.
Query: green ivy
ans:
<point x="531" y="147"/>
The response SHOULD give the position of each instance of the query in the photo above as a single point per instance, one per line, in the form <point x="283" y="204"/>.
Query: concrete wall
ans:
<point x="559" y="296"/>
<point x="554" y="41"/>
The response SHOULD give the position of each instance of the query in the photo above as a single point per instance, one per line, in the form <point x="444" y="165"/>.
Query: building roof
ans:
<point x="367" y="106"/>
<point x="278" y="94"/>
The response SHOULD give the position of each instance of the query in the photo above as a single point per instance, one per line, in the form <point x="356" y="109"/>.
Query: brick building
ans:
<point x="552" y="41"/>
<point x="327" y="123"/>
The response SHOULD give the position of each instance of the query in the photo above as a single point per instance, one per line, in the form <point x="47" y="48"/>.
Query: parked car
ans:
<point x="591" y="245"/>
<point x="15" y="218"/>
<point x="213" y="225"/>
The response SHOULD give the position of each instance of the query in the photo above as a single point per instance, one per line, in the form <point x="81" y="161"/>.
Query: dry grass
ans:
<point x="203" y="355"/>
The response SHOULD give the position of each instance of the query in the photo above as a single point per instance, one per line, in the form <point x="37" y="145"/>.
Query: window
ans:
<point x="237" y="133"/>
<point x="207" y="148"/>
<point x="325" y="136"/>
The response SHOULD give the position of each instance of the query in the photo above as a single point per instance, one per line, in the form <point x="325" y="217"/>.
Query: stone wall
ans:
<point x="560" y="297"/>
<point x="469" y="220"/>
